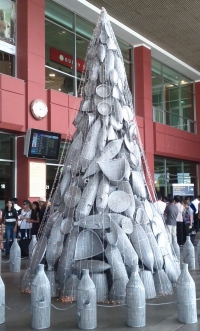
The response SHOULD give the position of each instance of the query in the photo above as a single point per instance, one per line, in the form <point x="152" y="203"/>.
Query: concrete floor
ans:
<point x="159" y="318"/>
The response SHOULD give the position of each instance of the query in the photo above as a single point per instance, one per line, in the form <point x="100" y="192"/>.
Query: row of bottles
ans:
<point x="86" y="295"/>
<point x="86" y="300"/>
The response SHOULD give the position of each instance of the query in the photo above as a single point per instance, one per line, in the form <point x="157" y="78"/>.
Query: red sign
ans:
<point x="66" y="59"/>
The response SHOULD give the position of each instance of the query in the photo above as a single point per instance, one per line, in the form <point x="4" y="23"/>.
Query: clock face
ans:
<point x="39" y="109"/>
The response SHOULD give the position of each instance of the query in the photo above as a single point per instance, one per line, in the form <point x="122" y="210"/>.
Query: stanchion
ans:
<point x="15" y="257"/>
<point x="86" y="302"/>
<point x="186" y="297"/>
<point x="40" y="300"/>
<point x="135" y="300"/>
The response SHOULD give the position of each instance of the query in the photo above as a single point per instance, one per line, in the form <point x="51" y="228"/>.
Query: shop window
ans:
<point x="6" y="181"/>
<point x="6" y="64"/>
<point x="7" y="167"/>
<point x="84" y="28"/>
<point x="67" y="38"/>
<point x="59" y="14"/>
<point x="6" y="147"/>
<point x="7" y="21"/>
<point x="168" y="171"/>
<point x="172" y="96"/>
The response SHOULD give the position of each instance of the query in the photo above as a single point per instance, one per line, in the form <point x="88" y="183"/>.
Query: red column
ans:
<point x="143" y="99"/>
<point x="31" y="54"/>
<point x="30" y="68"/>
<point x="197" y="96"/>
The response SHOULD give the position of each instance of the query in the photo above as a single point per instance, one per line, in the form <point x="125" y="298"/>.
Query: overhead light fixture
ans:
<point x="52" y="75"/>
<point x="59" y="89"/>
<point x="63" y="31"/>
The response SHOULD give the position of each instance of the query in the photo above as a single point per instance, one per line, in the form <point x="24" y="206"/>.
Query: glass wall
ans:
<point x="67" y="37"/>
<point x="7" y="167"/>
<point x="6" y="63"/>
<point x="7" y="36"/>
<point x="169" y="171"/>
<point x="173" y="98"/>
<point x="8" y="21"/>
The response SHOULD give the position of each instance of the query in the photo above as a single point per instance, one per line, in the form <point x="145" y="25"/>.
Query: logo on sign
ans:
<point x="65" y="59"/>
<point x="61" y="57"/>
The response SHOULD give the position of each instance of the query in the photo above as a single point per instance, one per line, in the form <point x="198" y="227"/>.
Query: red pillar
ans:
<point x="143" y="99"/>
<point x="197" y="96"/>
<point x="30" y="68"/>
<point x="31" y="54"/>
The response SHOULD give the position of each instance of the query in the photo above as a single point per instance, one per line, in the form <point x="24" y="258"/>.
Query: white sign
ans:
<point x="37" y="179"/>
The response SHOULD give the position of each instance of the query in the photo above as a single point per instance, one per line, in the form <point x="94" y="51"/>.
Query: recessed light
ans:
<point x="63" y="31"/>
<point x="59" y="89"/>
<point x="52" y="75"/>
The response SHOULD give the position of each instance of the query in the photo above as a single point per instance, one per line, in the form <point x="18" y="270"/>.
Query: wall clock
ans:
<point x="39" y="109"/>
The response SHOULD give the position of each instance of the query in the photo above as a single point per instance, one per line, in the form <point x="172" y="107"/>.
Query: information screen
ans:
<point x="183" y="189"/>
<point x="44" y="144"/>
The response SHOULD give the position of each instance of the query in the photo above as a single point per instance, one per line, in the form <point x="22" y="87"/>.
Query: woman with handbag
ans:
<point x="23" y="220"/>
<point x="35" y="221"/>
<point x="10" y="218"/>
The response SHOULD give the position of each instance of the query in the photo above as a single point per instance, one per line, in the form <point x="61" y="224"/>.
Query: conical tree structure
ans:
<point x="102" y="217"/>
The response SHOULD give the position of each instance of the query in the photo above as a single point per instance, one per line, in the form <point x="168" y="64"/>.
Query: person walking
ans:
<point x="194" y="205"/>
<point x="188" y="220"/>
<point x="180" y="226"/>
<point x="171" y="213"/>
<point x="24" y="219"/>
<point x="9" y="217"/>
<point x="160" y="205"/>
<point x="16" y="206"/>
<point x="35" y="218"/>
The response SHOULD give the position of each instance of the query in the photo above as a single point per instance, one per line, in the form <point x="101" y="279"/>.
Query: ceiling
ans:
<point x="174" y="25"/>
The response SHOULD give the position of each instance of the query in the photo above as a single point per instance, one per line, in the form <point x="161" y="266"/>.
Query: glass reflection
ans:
<point x="171" y="171"/>
<point x="6" y="147"/>
<point x="6" y="181"/>
<point x="172" y="96"/>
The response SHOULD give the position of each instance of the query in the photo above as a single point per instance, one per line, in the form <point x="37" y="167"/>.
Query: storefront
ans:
<point x="168" y="171"/>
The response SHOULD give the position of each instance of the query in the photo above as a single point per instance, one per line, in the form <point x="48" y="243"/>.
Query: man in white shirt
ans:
<point x="194" y="205"/>
<point x="160" y="205"/>
<point x="16" y="206"/>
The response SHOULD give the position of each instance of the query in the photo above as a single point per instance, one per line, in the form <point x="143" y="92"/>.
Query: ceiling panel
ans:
<point x="173" y="25"/>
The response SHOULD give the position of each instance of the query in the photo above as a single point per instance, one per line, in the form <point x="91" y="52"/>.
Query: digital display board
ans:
<point x="42" y="144"/>
<point x="183" y="189"/>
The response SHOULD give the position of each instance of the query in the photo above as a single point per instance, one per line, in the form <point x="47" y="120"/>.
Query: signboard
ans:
<point x="183" y="189"/>
<point x="37" y="179"/>
<point x="66" y="59"/>
<point x="7" y="24"/>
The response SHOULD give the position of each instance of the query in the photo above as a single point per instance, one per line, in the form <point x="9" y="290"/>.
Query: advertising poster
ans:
<point x="7" y="21"/>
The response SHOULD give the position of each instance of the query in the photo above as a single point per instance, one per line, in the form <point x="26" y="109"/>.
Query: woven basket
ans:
<point x="66" y="259"/>
<point x="138" y="184"/>
<point x="88" y="244"/>
<point x="117" y="292"/>
<point x="127" y="251"/>
<point x="147" y="279"/>
<point x="94" y="266"/>
<point x="162" y="283"/>
<point x="141" y="244"/>
<point x="101" y="284"/>
<point x="69" y="289"/>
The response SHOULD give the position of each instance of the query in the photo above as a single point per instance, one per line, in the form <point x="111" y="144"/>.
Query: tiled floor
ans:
<point x="159" y="318"/>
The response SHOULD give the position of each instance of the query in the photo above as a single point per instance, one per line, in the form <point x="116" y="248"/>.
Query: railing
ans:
<point x="176" y="121"/>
